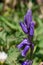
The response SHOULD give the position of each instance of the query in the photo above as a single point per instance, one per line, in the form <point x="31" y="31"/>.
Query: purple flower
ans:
<point x="26" y="45"/>
<point x="24" y="52"/>
<point x="27" y="62"/>
<point x="23" y="26"/>
<point x="28" y="18"/>
<point x="32" y="29"/>
<point x="28" y="25"/>
<point x="28" y="28"/>
<point x="23" y="43"/>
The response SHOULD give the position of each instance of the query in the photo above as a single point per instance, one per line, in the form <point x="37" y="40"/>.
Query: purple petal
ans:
<point x="28" y="18"/>
<point x="23" y="43"/>
<point x="23" y="27"/>
<point x="32" y="29"/>
<point x="24" y="52"/>
<point x="29" y="15"/>
<point x="27" y="62"/>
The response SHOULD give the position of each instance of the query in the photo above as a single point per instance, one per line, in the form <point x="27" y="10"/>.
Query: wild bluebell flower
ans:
<point x="23" y="43"/>
<point x="28" y="25"/>
<point x="28" y="28"/>
<point x="26" y="44"/>
<point x="27" y="62"/>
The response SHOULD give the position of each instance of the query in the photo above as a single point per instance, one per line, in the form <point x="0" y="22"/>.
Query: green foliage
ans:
<point x="11" y="35"/>
<point x="12" y="56"/>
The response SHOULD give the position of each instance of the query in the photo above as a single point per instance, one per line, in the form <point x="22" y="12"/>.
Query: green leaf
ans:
<point x="35" y="61"/>
<point x="41" y="43"/>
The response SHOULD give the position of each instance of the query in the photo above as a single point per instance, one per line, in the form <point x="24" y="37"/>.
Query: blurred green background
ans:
<point x="11" y="34"/>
